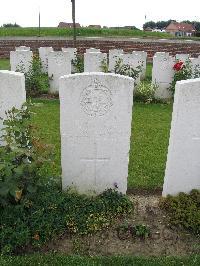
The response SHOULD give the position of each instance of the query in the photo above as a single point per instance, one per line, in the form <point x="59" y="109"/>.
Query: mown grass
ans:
<point x="61" y="260"/>
<point x="4" y="64"/>
<point x="85" y="32"/>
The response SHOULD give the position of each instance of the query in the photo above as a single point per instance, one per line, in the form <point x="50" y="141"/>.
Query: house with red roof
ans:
<point x="180" y="29"/>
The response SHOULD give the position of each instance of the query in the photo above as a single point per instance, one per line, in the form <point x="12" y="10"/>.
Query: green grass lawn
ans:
<point x="149" y="141"/>
<point x="61" y="260"/>
<point x="84" y="32"/>
<point x="4" y="64"/>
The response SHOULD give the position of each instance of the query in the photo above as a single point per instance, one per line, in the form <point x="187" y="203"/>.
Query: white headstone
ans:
<point x="183" y="161"/>
<point x="21" y="60"/>
<point x="182" y="57"/>
<point x="93" y="61"/>
<point x="43" y="53"/>
<point x="162" y="75"/>
<point x="195" y="64"/>
<point x="134" y="60"/>
<point x="114" y="56"/>
<point x="12" y="93"/>
<point x="161" y="54"/>
<point x="93" y="50"/>
<point x="22" y="48"/>
<point x="73" y="53"/>
<point x="59" y="65"/>
<point x="142" y="56"/>
<point x="96" y="113"/>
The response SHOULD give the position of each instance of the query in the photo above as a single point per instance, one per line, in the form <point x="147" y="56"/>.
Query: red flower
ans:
<point x="178" y="66"/>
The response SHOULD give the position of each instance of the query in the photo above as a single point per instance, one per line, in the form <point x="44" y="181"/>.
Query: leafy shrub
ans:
<point x="127" y="70"/>
<point x="141" y="230"/>
<point x="125" y="231"/>
<point x="21" y="157"/>
<point x="104" y="66"/>
<point x="184" y="210"/>
<point x="197" y="71"/>
<point x="78" y="64"/>
<point x="145" y="92"/>
<point x="37" y="82"/>
<point x="183" y="71"/>
<point x="50" y="213"/>
<point x="122" y="69"/>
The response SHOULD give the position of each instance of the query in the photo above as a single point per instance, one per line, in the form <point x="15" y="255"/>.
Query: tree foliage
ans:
<point x="10" y="25"/>
<point x="164" y="24"/>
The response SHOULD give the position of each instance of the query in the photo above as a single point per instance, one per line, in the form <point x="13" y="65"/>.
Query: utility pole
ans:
<point x="39" y="27"/>
<point x="74" y="20"/>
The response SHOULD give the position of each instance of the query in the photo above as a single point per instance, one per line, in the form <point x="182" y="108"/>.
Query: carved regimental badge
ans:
<point x="96" y="99"/>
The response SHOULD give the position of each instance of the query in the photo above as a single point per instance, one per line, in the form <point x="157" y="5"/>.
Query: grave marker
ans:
<point x="96" y="113"/>
<point x="182" y="172"/>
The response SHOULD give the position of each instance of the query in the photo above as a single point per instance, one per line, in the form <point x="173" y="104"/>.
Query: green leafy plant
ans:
<point x="126" y="230"/>
<point x="145" y="92"/>
<point x="183" y="210"/>
<point x="141" y="231"/>
<point x="37" y="82"/>
<point x="21" y="156"/>
<point x="197" y="71"/>
<point x="78" y="63"/>
<point x="49" y="213"/>
<point x="104" y="66"/>
<point x="183" y="71"/>
<point x="127" y="70"/>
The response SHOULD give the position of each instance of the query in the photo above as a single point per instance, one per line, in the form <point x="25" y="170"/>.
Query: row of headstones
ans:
<point x="163" y="72"/>
<point x="96" y="114"/>
<point x="59" y="63"/>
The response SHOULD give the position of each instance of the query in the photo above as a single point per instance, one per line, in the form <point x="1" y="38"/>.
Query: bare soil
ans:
<point x="163" y="239"/>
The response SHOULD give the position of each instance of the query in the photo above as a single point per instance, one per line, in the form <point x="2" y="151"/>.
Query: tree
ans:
<point x="10" y="25"/>
<point x="149" y="24"/>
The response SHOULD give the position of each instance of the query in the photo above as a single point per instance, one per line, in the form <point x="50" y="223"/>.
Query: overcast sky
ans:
<point x="103" y="12"/>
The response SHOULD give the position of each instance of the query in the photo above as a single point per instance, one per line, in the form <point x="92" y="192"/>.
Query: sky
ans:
<point x="101" y="12"/>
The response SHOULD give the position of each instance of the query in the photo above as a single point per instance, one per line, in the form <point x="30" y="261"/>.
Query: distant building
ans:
<point x="68" y="25"/>
<point x="180" y="29"/>
<point x="95" y="26"/>
<point x="148" y="29"/>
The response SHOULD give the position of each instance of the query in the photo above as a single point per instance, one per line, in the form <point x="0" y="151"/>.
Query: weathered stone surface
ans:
<point x="93" y="61"/>
<point x="161" y="54"/>
<point x="59" y="64"/>
<point x="182" y="57"/>
<point x="134" y="60"/>
<point x="21" y="60"/>
<point x="43" y="53"/>
<point x="73" y="53"/>
<point x="96" y="113"/>
<point x="93" y="50"/>
<point x="22" y="48"/>
<point x="142" y="56"/>
<point x="183" y="161"/>
<point x="195" y="63"/>
<point x="162" y="75"/>
<point x="12" y="92"/>
<point x="114" y="56"/>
